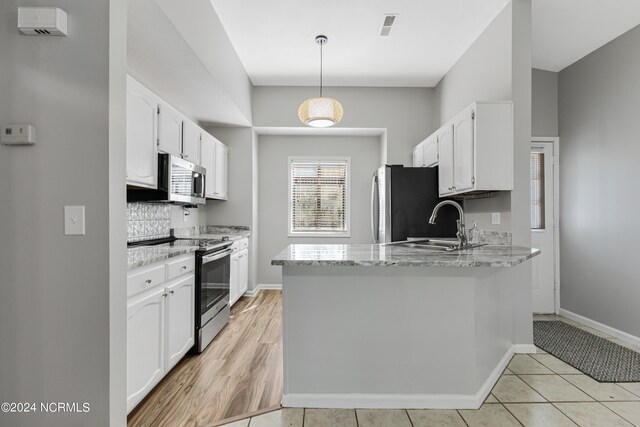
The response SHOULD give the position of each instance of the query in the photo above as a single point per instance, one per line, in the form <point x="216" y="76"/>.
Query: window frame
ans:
<point x="347" y="213"/>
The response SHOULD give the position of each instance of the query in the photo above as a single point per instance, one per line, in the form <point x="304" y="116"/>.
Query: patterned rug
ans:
<point x="601" y="359"/>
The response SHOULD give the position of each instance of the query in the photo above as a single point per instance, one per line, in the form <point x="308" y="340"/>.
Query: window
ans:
<point x="537" y="190"/>
<point x="319" y="197"/>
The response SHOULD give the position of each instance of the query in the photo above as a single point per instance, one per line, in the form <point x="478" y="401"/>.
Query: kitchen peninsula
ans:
<point x="387" y="326"/>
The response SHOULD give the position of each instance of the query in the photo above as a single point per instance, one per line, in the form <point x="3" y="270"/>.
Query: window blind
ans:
<point x="537" y="191"/>
<point x="319" y="196"/>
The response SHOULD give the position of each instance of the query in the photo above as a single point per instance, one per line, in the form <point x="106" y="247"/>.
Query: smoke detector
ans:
<point x="42" y="21"/>
<point x="389" y="20"/>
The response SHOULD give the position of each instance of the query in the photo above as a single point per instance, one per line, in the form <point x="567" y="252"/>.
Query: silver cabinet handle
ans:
<point x="148" y="281"/>
<point x="165" y="295"/>
<point x="184" y="267"/>
<point x="171" y="292"/>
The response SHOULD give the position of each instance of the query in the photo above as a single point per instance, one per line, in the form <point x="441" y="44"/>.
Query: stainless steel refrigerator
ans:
<point x="402" y="200"/>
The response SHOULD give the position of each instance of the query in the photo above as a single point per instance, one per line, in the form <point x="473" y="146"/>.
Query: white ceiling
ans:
<point x="274" y="39"/>
<point x="565" y="31"/>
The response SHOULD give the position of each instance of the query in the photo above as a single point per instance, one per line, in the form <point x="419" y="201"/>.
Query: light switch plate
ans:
<point x="74" y="221"/>
<point x="495" y="218"/>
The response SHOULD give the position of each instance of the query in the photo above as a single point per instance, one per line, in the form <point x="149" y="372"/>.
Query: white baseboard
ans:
<point x="399" y="401"/>
<point x="628" y="338"/>
<point x="263" y="286"/>
<point x="524" y="348"/>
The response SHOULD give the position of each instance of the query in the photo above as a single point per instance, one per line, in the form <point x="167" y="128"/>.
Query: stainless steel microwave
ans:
<point x="179" y="181"/>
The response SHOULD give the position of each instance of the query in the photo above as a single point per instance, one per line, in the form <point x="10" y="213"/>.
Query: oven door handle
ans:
<point x="213" y="257"/>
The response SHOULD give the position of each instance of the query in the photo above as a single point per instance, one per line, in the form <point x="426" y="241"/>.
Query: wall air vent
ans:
<point x="42" y="21"/>
<point x="389" y="20"/>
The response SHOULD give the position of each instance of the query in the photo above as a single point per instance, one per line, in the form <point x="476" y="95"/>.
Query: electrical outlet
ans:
<point x="495" y="218"/>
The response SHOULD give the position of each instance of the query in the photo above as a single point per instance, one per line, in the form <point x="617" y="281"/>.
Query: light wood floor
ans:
<point x="239" y="373"/>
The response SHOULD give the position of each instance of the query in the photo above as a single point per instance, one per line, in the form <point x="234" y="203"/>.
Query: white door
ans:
<point x="430" y="152"/>
<point x="234" y="278"/>
<point x="208" y="161"/>
<point x="463" y="160"/>
<point x="445" y="167"/>
<point x="180" y="319"/>
<point x="243" y="272"/>
<point x="221" y="171"/>
<point x="145" y="345"/>
<point x="191" y="142"/>
<point x="170" y="130"/>
<point x="142" y="126"/>
<point x="543" y="226"/>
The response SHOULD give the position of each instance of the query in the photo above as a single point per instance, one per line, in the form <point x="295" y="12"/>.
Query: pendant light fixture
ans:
<point x="320" y="112"/>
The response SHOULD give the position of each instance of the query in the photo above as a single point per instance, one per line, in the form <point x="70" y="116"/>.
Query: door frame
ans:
<point x="555" y="141"/>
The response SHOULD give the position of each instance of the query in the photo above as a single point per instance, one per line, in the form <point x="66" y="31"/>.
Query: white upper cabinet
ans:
<point x="170" y="123"/>
<point x="445" y="170"/>
<point x="221" y="171"/>
<point x="425" y="154"/>
<point x="191" y="142"/>
<point x="463" y="159"/>
<point x="208" y="161"/>
<point x="475" y="150"/>
<point x="417" y="156"/>
<point x="142" y="125"/>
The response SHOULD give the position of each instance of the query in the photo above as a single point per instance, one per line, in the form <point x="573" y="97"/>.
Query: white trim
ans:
<point x="524" y="349"/>
<point x="306" y="131"/>
<point x="400" y="401"/>
<point x="628" y="338"/>
<point x="555" y="141"/>
<point x="263" y="286"/>
<point x="319" y="159"/>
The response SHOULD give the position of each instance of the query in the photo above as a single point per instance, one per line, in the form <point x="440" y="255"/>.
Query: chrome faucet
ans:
<point x="462" y="232"/>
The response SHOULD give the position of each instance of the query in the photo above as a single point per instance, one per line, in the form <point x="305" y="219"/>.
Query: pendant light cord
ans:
<point x="321" y="46"/>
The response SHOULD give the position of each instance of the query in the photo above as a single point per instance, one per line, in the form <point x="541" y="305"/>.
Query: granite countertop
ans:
<point x="337" y="255"/>
<point x="140" y="256"/>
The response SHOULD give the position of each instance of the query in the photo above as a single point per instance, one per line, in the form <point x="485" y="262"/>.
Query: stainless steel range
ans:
<point x="213" y="279"/>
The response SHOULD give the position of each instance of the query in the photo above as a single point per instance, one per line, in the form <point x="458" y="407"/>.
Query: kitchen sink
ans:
<point x="433" y="245"/>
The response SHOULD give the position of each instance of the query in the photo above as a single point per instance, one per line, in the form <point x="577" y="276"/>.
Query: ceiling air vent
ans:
<point x="389" y="20"/>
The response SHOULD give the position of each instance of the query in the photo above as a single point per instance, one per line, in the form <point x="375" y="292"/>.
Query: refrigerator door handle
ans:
<point x="374" y="208"/>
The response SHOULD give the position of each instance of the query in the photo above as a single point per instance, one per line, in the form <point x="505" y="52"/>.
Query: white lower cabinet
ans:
<point x="160" y="325"/>
<point x="180" y="318"/>
<point x="239" y="282"/>
<point x="145" y="345"/>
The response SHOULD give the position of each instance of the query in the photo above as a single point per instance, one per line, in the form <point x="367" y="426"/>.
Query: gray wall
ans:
<point x="273" y="161"/>
<point x="544" y="103"/>
<point x="599" y="128"/>
<point x="408" y="114"/>
<point x="56" y="291"/>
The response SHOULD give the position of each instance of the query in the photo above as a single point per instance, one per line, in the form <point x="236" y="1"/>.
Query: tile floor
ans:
<point x="535" y="390"/>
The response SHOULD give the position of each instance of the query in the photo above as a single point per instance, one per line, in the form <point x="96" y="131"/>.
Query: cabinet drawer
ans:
<point x="180" y="266"/>
<point x="143" y="279"/>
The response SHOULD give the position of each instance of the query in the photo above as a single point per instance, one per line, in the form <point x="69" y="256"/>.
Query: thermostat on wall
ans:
<point x="42" y="21"/>
<point x="18" y="135"/>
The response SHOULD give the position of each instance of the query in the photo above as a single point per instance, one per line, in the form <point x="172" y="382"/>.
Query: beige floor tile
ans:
<point x="554" y="388"/>
<point x="632" y="387"/>
<point x="287" y="417"/>
<point x="491" y="399"/>
<point x="539" y="415"/>
<point x="525" y="364"/>
<point x="591" y="414"/>
<point x="507" y="372"/>
<point x="382" y="418"/>
<point x="330" y="418"/>
<point x="540" y="351"/>
<point x="489" y="416"/>
<point x="555" y="364"/>
<point x="630" y="411"/>
<point x="600" y="391"/>
<point x="435" y="418"/>
<point x="241" y="423"/>
<point x="510" y="388"/>
<point x="569" y="321"/>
